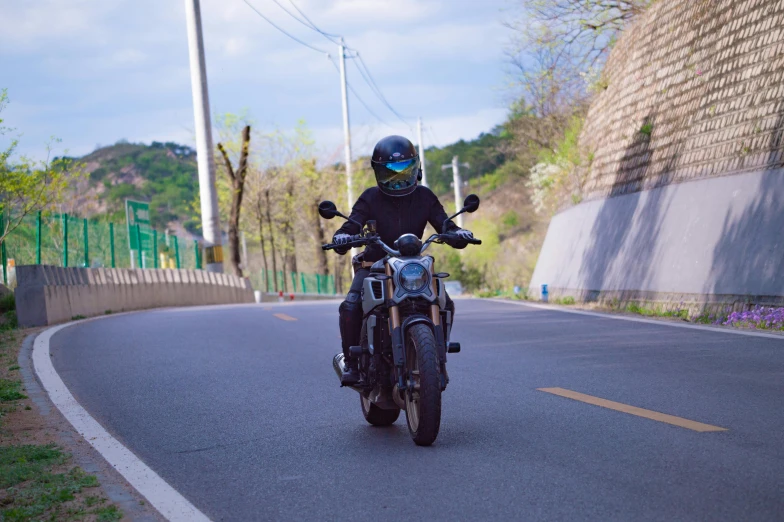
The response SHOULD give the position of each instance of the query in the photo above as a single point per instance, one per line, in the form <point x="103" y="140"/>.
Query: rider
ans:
<point x="399" y="206"/>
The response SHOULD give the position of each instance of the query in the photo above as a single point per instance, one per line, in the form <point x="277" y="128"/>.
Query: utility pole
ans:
<point x="456" y="182"/>
<point x="346" y="134"/>
<point x="346" y="128"/>
<point x="421" y="152"/>
<point x="210" y="219"/>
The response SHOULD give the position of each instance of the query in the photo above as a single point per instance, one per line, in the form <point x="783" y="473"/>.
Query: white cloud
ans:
<point x="87" y="70"/>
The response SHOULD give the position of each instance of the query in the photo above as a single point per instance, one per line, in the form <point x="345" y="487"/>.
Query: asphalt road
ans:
<point x="240" y="411"/>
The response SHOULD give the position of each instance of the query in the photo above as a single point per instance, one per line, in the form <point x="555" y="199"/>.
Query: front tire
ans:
<point x="375" y="415"/>
<point x="423" y="399"/>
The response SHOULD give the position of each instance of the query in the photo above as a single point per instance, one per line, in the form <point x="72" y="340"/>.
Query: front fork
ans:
<point x="396" y="331"/>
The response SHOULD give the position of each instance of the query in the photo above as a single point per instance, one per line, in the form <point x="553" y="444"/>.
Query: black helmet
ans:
<point x="396" y="164"/>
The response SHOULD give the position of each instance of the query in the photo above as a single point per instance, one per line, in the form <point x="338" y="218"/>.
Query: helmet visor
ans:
<point x="397" y="175"/>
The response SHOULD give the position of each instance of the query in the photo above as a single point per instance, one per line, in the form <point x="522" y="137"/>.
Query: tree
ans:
<point x="581" y="32"/>
<point x="28" y="186"/>
<point x="237" y="181"/>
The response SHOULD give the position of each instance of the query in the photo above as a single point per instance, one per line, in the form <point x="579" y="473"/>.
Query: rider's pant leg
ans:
<point x="351" y="312"/>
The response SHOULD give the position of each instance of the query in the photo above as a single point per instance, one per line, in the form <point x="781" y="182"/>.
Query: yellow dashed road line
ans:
<point x="285" y="317"/>
<point x="633" y="410"/>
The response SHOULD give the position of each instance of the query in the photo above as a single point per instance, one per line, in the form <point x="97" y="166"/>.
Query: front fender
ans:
<point x="438" y="333"/>
<point x="416" y="319"/>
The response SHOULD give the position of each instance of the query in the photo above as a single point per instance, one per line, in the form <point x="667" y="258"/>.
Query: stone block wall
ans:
<point x="706" y="78"/>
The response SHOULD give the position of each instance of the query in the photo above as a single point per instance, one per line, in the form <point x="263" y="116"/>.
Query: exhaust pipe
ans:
<point x="340" y="367"/>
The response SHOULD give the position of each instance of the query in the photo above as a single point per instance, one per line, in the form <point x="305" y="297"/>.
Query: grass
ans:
<point x="77" y="317"/>
<point x="8" y="319"/>
<point x="646" y="129"/>
<point x="33" y="491"/>
<point x="38" y="481"/>
<point x="10" y="390"/>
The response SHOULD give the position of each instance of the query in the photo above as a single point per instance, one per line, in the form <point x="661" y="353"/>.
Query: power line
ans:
<point x="308" y="23"/>
<point x="366" y="75"/>
<point x="374" y="86"/>
<point x="282" y="30"/>
<point x="433" y="135"/>
<point x="358" y="97"/>
<point x="313" y="26"/>
<point x="363" y="68"/>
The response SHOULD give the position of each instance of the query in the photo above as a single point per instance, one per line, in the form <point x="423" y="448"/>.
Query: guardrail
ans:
<point x="50" y="294"/>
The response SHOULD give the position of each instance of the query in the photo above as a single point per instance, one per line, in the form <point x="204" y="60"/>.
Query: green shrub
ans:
<point x="487" y="293"/>
<point x="7" y="303"/>
<point x="511" y="219"/>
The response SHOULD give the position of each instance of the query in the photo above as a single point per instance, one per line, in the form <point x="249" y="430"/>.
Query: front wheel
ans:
<point x="377" y="416"/>
<point x="423" y="396"/>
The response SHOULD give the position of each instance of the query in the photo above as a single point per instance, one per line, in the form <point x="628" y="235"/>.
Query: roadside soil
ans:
<point x="644" y="314"/>
<point x="47" y="471"/>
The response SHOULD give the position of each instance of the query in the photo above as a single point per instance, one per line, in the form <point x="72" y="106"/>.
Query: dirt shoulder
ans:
<point x="664" y="315"/>
<point x="47" y="471"/>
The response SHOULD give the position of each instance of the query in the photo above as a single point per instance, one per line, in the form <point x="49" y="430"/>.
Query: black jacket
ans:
<point x="396" y="216"/>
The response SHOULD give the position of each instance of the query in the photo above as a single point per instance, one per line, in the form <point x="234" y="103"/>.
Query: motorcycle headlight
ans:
<point x="413" y="277"/>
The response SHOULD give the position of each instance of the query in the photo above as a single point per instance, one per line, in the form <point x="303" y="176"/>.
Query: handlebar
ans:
<point x="354" y="242"/>
<point x="359" y="240"/>
<point x="455" y="237"/>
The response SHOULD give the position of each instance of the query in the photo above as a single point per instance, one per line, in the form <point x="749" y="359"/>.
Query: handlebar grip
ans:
<point x="474" y="241"/>
<point x="355" y="241"/>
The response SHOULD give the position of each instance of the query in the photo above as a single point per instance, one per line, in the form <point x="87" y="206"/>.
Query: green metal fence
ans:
<point x="293" y="282"/>
<point x="64" y="240"/>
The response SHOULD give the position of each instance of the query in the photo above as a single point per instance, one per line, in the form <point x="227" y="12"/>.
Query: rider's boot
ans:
<point x="351" y="375"/>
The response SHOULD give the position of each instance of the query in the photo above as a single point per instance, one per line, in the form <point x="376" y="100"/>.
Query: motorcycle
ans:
<point x="405" y="336"/>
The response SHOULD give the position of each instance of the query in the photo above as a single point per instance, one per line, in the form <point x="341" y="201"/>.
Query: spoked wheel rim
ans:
<point x="412" y="393"/>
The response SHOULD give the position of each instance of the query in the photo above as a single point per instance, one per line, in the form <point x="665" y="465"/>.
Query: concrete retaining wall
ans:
<point x="48" y="295"/>
<point x="712" y="240"/>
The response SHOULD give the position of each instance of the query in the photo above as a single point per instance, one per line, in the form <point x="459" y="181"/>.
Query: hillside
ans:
<point x="165" y="174"/>
<point x="511" y="230"/>
<point x="484" y="154"/>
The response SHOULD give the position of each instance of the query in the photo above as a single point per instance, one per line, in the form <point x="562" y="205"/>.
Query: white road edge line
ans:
<point x="642" y="320"/>
<point x="171" y="504"/>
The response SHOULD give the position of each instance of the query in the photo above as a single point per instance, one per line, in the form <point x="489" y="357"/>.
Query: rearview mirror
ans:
<point x="471" y="203"/>
<point x="328" y="210"/>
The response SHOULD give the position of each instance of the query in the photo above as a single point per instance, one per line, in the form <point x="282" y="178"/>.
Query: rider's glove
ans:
<point x="341" y="239"/>
<point x="459" y="238"/>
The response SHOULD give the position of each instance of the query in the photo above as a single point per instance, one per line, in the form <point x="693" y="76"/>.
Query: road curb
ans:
<point x="704" y="328"/>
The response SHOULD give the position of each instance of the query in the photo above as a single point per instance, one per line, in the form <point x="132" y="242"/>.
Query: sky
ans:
<point x="94" y="72"/>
